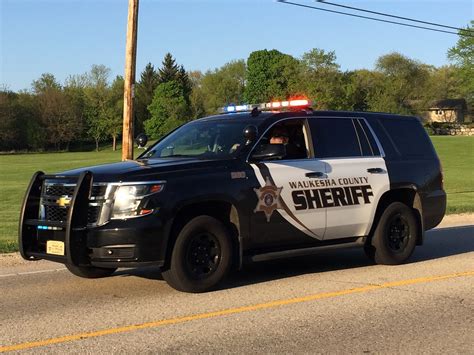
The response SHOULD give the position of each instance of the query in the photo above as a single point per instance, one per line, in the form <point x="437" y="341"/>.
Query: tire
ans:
<point x="395" y="236"/>
<point x="201" y="257"/>
<point x="90" y="272"/>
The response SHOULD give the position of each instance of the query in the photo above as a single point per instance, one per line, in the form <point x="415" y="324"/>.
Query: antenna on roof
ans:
<point x="255" y="112"/>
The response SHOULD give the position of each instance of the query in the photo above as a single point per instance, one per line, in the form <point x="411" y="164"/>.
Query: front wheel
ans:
<point x="90" y="272"/>
<point x="395" y="237"/>
<point x="201" y="256"/>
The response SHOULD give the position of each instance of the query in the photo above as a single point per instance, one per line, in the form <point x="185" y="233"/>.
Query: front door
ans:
<point x="286" y="212"/>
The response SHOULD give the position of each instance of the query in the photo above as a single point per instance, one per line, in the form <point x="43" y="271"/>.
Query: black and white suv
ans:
<point x="250" y="185"/>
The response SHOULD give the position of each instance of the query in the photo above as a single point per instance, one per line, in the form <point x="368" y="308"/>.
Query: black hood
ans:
<point x="147" y="169"/>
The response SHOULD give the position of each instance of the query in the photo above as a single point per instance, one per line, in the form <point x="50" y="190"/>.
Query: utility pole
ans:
<point x="128" y="92"/>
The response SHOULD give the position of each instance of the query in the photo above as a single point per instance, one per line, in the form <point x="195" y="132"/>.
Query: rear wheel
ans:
<point x="395" y="237"/>
<point x="201" y="256"/>
<point x="90" y="272"/>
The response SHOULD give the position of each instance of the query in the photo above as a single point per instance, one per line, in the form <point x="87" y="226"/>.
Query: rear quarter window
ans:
<point x="409" y="137"/>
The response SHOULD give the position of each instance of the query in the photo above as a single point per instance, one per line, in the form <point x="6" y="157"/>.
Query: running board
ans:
<point x="306" y="251"/>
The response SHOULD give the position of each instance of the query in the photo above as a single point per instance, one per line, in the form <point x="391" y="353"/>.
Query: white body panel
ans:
<point x="311" y="222"/>
<point x="355" y="219"/>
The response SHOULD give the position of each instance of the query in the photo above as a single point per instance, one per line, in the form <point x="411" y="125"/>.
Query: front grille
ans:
<point x="55" y="213"/>
<point x="98" y="190"/>
<point x="52" y="193"/>
<point x="59" y="190"/>
<point x="93" y="214"/>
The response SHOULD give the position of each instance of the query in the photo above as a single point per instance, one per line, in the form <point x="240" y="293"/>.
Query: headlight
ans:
<point x="128" y="199"/>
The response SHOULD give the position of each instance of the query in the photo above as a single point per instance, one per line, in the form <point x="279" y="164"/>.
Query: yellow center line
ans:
<point x="256" y="307"/>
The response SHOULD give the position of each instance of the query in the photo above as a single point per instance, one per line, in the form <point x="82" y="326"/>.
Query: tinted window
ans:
<point x="409" y="137"/>
<point x="292" y="134"/>
<point x="364" y="143"/>
<point x="369" y="135"/>
<point x="334" y="137"/>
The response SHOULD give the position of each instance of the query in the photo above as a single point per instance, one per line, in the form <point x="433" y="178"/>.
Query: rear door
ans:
<point x="356" y="174"/>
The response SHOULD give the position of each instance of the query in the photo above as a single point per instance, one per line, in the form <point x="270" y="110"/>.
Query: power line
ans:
<point x="367" y="17"/>
<point x="395" y="16"/>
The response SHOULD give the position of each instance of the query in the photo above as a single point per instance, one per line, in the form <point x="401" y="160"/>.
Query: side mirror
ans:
<point x="269" y="152"/>
<point x="141" y="140"/>
<point x="250" y="134"/>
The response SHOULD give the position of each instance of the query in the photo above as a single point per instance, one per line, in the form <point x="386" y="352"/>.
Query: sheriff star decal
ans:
<point x="268" y="199"/>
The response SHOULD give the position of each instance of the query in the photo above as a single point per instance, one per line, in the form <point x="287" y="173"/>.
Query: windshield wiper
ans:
<point x="179" y="156"/>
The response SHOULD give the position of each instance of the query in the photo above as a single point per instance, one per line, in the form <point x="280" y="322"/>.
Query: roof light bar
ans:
<point x="274" y="105"/>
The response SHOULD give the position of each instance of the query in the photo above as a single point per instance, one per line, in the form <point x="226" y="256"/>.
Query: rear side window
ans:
<point x="364" y="143"/>
<point x="370" y="137"/>
<point x="409" y="137"/>
<point x="334" y="138"/>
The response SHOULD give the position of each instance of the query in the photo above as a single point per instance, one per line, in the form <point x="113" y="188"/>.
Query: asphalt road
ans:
<point x="331" y="302"/>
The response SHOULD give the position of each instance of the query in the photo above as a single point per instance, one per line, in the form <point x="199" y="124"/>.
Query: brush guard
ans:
<point x="34" y="231"/>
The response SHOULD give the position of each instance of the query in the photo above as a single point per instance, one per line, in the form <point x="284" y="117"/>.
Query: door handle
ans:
<point x="376" y="171"/>
<point x="316" y="174"/>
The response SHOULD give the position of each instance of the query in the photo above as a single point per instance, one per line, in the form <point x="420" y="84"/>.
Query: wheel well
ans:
<point x="221" y="210"/>
<point x="407" y="196"/>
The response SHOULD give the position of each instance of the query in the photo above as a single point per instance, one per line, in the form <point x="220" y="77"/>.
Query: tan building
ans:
<point x="449" y="110"/>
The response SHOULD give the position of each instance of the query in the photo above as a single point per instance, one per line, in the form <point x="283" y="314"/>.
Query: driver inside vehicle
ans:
<point x="280" y="135"/>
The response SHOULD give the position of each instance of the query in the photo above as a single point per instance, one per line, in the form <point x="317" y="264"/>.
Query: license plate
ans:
<point x="55" y="247"/>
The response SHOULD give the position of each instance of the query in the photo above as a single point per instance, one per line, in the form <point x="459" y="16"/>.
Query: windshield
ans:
<point x="204" y="140"/>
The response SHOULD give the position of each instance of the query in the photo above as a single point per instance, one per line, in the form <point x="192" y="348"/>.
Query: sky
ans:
<point x="65" y="37"/>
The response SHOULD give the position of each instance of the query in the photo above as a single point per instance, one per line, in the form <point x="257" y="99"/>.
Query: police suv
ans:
<point x="254" y="183"/>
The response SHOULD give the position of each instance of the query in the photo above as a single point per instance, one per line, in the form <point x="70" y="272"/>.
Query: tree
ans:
<point x="180" y="86"/>
<point x="114" y="111"/>
<point x="28" y="124"/>
<point x="358" y="86"/>
<point x="318" y="59"/>
<point x="168" y="109"/>
<point x="223" y="86"/>
<point x="8" y="117"/>
<point x="404" y="81"/>
<point x="270" y="75"/>
<point x="20" y="127"/>
<point x="183" y="79"/>
<point x="46" y="82"/>
<point x="149" y="80"/>
<point x="56" y="112"/>
<point x="322" y="80"/>
<point x="74" y="91"/>
<point x="96" y="97"/>
<point x="169" y="70"/>
<point x="196" y="98"/>
<point x="462" y="55"/>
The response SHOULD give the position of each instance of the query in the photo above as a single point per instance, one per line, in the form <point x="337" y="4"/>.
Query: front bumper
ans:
<point x="118" y="243"/>
<point x="127" y="243"/>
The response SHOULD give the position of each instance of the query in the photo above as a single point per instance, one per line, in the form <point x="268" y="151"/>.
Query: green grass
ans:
<point x="456" y="153"/>
<point x="457" y="159"/>
<point x="15" y="174"/>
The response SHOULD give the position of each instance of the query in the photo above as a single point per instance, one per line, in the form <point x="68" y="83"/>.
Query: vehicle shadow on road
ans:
<point x="439" y="243"/>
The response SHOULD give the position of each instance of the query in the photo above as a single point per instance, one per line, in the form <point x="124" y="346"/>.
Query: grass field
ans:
<point x="456" y="153"/>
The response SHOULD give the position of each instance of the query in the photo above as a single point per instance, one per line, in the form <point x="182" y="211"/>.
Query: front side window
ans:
<point x="334" y="138"/>
<point x="202" y="140"/>
<point x="285" y="140"/>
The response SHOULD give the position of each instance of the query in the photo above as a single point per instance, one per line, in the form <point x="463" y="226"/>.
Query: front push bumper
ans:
<point x="119" y="243"/>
